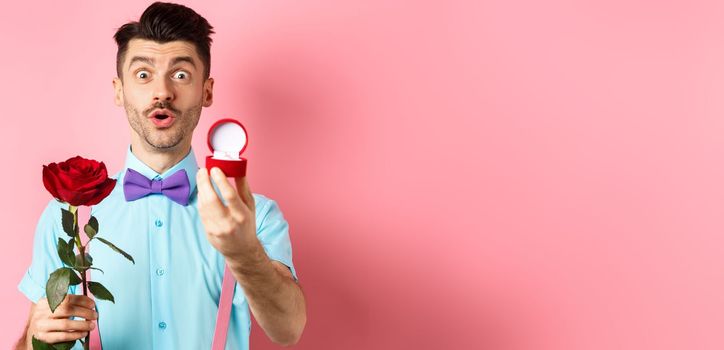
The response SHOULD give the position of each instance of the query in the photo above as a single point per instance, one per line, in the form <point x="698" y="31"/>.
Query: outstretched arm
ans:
<point x="275" y="299"/>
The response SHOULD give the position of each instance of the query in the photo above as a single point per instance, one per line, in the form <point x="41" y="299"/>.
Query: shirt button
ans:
<point x="160" y="272"/>
<point x="159" y="223"/>
<point x="162" y="325"/>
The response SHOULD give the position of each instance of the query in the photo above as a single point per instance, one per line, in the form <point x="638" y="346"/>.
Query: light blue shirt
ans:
<point x="169" y="298"/>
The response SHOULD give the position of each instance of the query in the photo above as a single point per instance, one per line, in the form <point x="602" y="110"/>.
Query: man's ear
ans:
<point x="208" y="98"/>
<point x="118" y="90"/>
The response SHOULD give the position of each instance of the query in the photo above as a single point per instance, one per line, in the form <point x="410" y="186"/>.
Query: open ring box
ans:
<point x="227" y="141"/>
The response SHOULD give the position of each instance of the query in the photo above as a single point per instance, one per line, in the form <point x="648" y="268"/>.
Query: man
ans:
<point x="168" y="298"/>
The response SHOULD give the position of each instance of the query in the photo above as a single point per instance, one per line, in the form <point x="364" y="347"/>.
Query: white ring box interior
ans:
<point x="227" y="140"/>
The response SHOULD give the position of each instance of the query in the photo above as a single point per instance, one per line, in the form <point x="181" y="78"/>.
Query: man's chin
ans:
<point x="164" y="146"/>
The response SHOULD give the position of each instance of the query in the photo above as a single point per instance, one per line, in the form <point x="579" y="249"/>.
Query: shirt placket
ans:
<point x="159" y="252"/>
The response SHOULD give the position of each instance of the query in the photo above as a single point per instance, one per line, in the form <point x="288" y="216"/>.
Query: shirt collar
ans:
<point x="188" y="163"/>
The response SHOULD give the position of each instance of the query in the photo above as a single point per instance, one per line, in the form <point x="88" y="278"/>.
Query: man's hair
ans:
<point x="165" y="22"/>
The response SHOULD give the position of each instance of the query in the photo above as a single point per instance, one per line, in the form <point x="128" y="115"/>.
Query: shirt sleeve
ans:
<point x="273" y="232"/>
<point x="45" y="258"/>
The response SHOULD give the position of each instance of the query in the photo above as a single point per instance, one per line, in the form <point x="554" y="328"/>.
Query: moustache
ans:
<point x="162" y="105"/>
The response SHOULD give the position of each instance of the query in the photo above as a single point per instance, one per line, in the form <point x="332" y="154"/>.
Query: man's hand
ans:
<point x="56" y="327"/>
<point x="230" y="228"/>
<point x="274" y="298"/>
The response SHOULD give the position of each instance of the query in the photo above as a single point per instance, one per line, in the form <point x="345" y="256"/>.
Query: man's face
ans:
<point x="162" y="89"/>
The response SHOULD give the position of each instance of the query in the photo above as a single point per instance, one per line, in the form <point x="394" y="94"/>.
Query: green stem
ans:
<point x="84" y="280"/>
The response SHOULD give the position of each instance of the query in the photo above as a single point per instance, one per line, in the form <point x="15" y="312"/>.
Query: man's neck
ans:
<point x="160" y="161"/>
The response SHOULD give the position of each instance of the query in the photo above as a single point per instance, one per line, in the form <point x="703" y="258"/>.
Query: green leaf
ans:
<point x="91" y="228"/>
<point x="65" y="252"/>
<point x="94" y="223"/>
<point x="79" y="266"/>
<point x="112" y="246"/>
<point x="100" y="291"/>
<point x="95" y="268"/>
<point x="89" y="231"/>
<point x="40" y="345"/>
<point x="57" y="287"/>
<point x="69" y="223"/>
<point x="64" y="345"/>
<point x="74" y="279"/>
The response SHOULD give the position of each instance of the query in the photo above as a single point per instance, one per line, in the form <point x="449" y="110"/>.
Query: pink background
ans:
<point x="505" y="175"/>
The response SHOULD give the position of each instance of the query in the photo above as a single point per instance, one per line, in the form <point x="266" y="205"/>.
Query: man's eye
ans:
<point x="142" y="74"/>
<point x="181" y="75"/>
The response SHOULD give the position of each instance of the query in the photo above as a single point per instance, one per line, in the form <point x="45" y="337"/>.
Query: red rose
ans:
<point x="78" y="181"/>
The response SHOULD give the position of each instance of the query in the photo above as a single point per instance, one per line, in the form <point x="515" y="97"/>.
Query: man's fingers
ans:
<point x="209" y="202"/>
<point x="64" y="325"/>
<point x="71" y="310"/>
<point x="227" y="191"/>
<point x="58" y="327"/>
<point x="242" y="187"/>
<point x="80" y="300"/>
<point x="59" y="337"/>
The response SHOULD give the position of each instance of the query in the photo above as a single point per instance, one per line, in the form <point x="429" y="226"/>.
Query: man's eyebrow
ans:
<point x="143" y="59"/>
<point x="150" y="61"/>
<point x="180" y="59"/>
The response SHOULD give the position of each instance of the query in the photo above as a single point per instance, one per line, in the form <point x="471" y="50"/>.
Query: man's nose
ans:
<point x="163" y="91"/>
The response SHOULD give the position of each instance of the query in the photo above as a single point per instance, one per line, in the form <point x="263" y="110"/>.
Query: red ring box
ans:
<point x="227" y="140"/>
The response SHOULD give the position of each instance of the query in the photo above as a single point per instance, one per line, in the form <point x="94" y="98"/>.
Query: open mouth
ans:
<point x="162" y="118"/>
